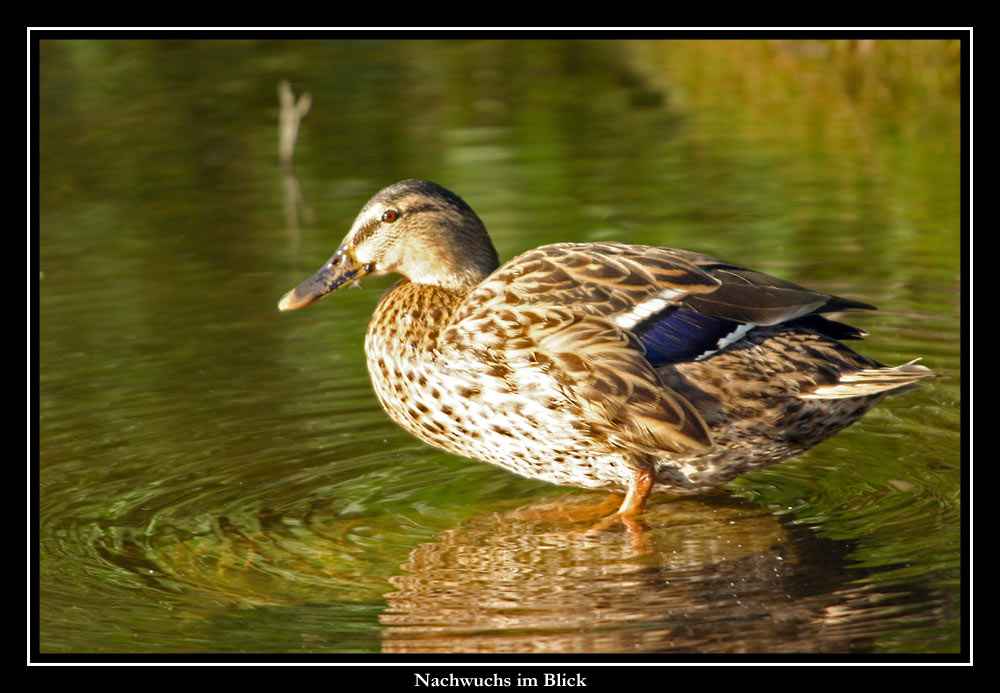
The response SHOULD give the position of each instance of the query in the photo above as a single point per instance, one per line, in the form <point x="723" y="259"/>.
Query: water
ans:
<point x="217" y="477"/>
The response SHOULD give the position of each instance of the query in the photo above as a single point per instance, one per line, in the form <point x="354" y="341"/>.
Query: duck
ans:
<point x="603" y="365"/>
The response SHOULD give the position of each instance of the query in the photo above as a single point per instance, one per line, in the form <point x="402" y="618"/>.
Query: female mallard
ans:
<point x="601" y="365"/>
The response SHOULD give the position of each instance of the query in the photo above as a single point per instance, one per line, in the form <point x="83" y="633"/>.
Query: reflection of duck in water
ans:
<point x="718" y="576"/>
<point x="600" y="365"/>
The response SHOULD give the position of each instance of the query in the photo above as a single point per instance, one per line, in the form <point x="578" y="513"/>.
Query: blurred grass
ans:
<point x="876" y="124"/>
<point x="907" y="85"/>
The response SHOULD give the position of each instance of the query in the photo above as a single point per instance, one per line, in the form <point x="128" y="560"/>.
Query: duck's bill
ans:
<point x="340" y="269"/>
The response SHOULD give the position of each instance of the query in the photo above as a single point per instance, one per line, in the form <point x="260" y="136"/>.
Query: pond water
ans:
<point x="217" y="477"/>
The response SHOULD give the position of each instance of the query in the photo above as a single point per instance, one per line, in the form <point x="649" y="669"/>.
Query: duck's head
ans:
<point x="415" y="228"/>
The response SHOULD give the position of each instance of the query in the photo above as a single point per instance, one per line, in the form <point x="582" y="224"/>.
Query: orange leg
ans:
<point x="639" y="489"/>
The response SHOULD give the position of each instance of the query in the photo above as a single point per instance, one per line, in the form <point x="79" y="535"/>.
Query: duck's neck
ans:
<point x="408" y="320"/>
<point x="403" y="355"/>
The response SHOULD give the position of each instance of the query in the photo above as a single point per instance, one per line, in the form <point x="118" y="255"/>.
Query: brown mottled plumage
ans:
<point x="602" y="365"/>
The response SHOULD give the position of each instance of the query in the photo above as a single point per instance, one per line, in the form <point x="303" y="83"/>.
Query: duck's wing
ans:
<point x="680" y="305"/>
<point x="585" y="364"/>
<point x="599" y="318"/>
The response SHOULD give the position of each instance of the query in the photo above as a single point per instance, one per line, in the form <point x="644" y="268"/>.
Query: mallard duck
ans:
<point x="600" y="365"/>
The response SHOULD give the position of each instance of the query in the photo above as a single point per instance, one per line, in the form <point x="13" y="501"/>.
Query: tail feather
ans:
<point x="872" y="381"/>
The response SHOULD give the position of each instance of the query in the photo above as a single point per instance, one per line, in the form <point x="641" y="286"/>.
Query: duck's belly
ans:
<point x="516" y="419"/>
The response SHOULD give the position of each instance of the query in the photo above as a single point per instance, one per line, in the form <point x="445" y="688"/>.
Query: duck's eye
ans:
<point x="390" y="215"/>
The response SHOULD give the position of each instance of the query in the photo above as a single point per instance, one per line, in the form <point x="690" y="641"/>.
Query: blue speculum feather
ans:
<point x="682" y="335"/>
